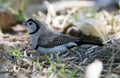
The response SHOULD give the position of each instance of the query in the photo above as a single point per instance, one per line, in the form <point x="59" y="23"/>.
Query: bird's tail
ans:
<point x="99" y="43"/>
<point x="90" y="40"/>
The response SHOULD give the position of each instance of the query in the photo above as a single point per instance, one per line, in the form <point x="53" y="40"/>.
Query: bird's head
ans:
<point x="34" y="26"/>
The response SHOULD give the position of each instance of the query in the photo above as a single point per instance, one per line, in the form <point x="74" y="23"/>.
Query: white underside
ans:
<point x="57" y="49"/>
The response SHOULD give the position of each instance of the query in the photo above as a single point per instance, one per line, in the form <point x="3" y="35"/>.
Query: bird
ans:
<point x="47" y="41"/>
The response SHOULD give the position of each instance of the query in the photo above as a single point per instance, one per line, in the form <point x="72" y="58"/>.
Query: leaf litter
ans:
<point x="19" y="59"/>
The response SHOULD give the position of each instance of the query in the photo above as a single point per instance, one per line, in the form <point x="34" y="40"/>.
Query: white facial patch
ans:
<point x="31" y="26"/>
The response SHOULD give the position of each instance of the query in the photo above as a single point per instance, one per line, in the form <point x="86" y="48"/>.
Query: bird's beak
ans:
<point x="24" y="24"/>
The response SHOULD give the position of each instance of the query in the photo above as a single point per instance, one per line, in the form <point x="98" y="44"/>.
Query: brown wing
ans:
<point x="59" y="40"/>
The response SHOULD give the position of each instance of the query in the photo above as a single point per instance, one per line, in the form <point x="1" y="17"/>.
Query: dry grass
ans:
<point x="18" y="58"/>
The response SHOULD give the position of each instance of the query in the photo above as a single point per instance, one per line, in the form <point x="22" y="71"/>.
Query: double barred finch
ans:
<point x="48" y="41"/>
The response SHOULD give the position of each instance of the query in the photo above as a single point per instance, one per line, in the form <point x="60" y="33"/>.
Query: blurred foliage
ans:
<point x="38" y="64"/>
<point x="92" y="12"/>
<point x="5" y="2"/>
<point x="11" y="2"/>
<point x="15" y="51"/>
<point x="19" y="13"/>
<point x="112" y="22"/>
<point x="73" y="73"/>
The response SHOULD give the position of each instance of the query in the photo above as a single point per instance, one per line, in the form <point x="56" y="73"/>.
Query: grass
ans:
<point x="66" y="65"/>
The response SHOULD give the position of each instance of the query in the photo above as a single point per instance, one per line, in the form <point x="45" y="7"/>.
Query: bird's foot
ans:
<point x="71" y="45"/>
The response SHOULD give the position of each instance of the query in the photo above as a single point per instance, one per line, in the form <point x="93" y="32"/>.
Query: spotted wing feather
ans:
<point x="59" y="40"/>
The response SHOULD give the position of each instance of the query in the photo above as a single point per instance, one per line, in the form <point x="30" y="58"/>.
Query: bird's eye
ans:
<point x="30" y="23"/>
